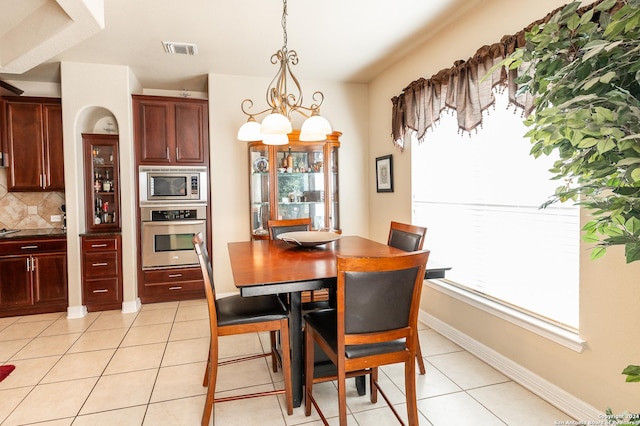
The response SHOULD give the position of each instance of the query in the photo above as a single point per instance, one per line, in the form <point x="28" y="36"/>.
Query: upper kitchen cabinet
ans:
<point x="33" y="129"/>
<point x="171" y="131"/>
<point x="297" y="180"/>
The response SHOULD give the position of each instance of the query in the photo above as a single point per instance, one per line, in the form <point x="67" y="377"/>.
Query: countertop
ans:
<point x="35" y="233"/>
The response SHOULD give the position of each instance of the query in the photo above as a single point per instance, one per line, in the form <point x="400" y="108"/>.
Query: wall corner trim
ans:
<point x="546" y="390"/>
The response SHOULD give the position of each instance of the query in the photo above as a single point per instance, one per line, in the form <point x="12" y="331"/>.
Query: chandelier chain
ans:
<point x="284" y="25"/>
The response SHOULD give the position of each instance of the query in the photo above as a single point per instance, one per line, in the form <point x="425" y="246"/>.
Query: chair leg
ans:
<point x="286" y="364"/>
<point x="373" y="378"/>
<point x="211" y="376"/>
<point x="308" y="370"/>
<point x="419" y="356"/>
<point x="410" y="391"/>
<point x="205" y="381"/>
<point x="342" y="395"/>
<point x="274" y="358"/>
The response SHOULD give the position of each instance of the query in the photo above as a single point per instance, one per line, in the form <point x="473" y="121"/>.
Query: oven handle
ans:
<point x="173" y="222"/>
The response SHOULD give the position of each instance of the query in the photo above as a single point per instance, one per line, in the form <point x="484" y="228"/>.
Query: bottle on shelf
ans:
<point x="106" y="183"/>
<point x="97" y="183"/>
<point x="289" y="162"/>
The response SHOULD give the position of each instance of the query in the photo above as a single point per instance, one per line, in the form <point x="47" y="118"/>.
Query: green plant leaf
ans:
<point x="633" y="225"/>
<point x="587" y="143"/>
<point x="632" y="251"/>
<point x="598" y="252"/>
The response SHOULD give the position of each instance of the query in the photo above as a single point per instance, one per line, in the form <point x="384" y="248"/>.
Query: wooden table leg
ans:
<point x="297" y="357"/>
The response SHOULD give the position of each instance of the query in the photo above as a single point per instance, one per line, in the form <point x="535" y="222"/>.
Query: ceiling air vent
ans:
<point x="176" y="48"/>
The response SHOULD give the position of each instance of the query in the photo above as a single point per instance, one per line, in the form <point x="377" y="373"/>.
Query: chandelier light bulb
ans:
<point x="276" y="123"/>
<point x="250" y="131"/>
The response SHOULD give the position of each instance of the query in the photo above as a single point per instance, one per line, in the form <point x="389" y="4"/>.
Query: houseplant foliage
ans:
<point x="583" y="69"/>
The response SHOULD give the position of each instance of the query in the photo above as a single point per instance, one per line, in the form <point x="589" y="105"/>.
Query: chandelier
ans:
<point x="277" y="124"/>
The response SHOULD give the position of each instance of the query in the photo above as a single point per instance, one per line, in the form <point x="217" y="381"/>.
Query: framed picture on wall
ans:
<point x="384" y="173"/>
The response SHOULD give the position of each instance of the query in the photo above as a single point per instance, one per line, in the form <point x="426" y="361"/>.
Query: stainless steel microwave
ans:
<point x="172" y="184"/>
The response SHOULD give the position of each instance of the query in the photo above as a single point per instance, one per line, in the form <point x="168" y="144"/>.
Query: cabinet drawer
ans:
<point x="172" y="275"/>
<point x="99" y="244"/>
<point x="99" y="291"/>
<point x="101" y="264"/>
<point x="174" y="289"/>
<point x="33" y="246"/>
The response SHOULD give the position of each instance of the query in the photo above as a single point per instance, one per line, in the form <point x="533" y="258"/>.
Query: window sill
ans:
<point x="547" y="329"/>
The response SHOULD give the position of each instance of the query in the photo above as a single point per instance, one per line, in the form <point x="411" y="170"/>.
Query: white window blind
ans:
<point x="479" y="197"/>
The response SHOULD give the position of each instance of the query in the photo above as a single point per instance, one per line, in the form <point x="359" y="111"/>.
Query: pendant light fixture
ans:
<point x="277" y="124"/>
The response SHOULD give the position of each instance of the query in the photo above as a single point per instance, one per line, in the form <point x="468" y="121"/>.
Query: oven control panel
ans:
<point x="185" y="214"/>
<point x="170" y="213"/>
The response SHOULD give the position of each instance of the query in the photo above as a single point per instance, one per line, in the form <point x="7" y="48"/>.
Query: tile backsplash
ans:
<point x="28" y="210"/>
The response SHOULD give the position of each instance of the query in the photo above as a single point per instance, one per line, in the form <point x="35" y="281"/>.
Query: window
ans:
<point x="479" y="197"/>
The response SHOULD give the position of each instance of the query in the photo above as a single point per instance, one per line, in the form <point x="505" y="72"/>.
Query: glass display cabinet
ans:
<point x="102" y="186"/>
<point x="294" y="181"/>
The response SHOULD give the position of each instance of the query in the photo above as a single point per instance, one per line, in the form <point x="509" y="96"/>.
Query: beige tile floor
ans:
<point x="146" y="368"/>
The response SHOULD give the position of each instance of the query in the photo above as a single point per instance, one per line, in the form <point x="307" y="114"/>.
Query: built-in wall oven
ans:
<point x="167" y="232"/>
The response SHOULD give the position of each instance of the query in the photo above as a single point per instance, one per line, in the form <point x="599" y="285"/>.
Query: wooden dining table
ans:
<point x="276" y="267"/>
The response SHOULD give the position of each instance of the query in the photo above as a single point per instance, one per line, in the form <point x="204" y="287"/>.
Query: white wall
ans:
<point x="345" y="107"/>
<point x="84" y="87"/>
<point x="609" y="288"/>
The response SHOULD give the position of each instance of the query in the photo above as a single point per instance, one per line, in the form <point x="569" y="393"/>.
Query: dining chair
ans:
<point x="355" y="335"/>
<point x="409" y="238"/>
<point x="241" y="315"/>
<point x="310" y="299"/>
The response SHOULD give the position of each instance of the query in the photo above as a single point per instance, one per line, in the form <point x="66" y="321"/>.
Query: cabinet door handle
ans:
<point x="102" y="290"/>
<point x="178" y="287"/>
<point x="175" y="275"/>
<point x="98" y="245"/>
<point x="167" y="153"/>
<point x="28" y="247"/>
<point x="177" y="153"/>
<point x="99" y="264"/>
<point x="28" y="264"/>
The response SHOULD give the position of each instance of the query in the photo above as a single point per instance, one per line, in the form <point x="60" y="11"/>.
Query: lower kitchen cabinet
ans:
<point x="161" y="285"/>
<point x="33" y="276"/>
<point x="102" y="271"/>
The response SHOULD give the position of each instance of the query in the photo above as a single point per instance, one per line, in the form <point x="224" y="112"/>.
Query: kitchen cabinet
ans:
<point x="33" y="276"/>
<point x="101" y="182"/>
<point x="162" y="285"/>
<point x="171" y="131"/>
<point x="101" y="271"/>
<point x="33" y="132"/>
<point x="294" y="181"/>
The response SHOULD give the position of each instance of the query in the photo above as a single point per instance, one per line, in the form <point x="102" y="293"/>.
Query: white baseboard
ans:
<point x="546" y="390"/>
<point x="74" y="312"/>
<point x="131" y="306"/>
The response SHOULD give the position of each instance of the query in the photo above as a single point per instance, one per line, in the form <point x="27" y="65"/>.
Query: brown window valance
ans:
<point x="462" y="89"/>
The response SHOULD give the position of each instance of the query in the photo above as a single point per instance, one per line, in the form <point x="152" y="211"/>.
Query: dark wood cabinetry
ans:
<point x="33" y="276"/>
<point x="33" y="132"/>
<point x="161" y="285"/>
<point x="102" y="271"/>
<point x="170" y="131"/>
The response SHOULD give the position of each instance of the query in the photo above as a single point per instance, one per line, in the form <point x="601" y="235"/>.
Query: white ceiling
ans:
<point x="336" y="40"/>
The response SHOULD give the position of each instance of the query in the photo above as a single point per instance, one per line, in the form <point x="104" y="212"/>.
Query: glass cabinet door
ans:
<point x="301" y="185"/>
<point x="334" y="211"/>
<point x="102" y="186"/>
<point x="259" y="186"/>
<point x="293" y="181"/>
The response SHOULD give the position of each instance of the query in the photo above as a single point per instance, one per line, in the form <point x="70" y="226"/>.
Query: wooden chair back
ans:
<point x="277" y="227"/>
<point x="406" y="237"/>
